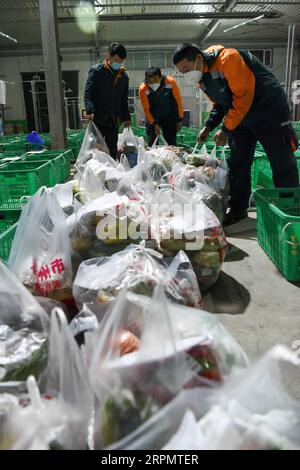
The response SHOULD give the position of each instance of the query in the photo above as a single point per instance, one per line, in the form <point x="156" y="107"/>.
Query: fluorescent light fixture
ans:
<point x="244" y="22"/>
<point x="7" y="37"/>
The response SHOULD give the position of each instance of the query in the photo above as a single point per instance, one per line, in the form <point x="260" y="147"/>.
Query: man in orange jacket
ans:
<point x="161" y="100"/>
<point x="252" y="106"/>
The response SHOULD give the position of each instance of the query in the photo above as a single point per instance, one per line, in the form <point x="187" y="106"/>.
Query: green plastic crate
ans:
<point x="68" y="158"/>
<point x="6" y="239"/>
<point x="21" y="179"/>
<point x="14" y="146"/>
<point x="258" y="163"/>
<point x="8" y="218"/>
<point x="278" y="228"/>
<point x="265" y="177"/>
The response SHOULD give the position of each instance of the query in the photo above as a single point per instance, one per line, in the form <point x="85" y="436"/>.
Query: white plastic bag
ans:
<point x="133" y="381"/>
<point x="138" y="269"/>
<point x="144" y="378"/>
<point x="188" y="436"/>
<point x="93" y="141"/>
<point x="23" y="331"/>
<point x="127" y="141"/>
<point x="40" y="254"/>
<point x="67" y="378"/>
<point x="256" y="409"/>
<point x="65" y="193"/>
<point x="45" y="423"/>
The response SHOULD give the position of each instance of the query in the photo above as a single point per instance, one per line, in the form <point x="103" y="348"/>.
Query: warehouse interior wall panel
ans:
<point x="82" y="60"/>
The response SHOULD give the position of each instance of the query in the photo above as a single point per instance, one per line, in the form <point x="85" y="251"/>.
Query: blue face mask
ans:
<point x="116" y="65"/>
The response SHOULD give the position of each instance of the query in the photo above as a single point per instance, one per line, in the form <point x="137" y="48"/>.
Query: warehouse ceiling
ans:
<point x="140" y="22"/>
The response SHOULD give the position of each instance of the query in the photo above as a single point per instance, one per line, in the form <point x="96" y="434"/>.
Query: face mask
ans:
<point x="154" y="86"/>
<point x="116" y="65"/>
<point x="193" y="77"/>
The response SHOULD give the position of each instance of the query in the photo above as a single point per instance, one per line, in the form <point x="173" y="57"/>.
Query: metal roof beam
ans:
<point x="212" y="26"/>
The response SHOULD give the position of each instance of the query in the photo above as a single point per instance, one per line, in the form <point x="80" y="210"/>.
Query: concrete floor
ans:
<point x="252" y="299"/>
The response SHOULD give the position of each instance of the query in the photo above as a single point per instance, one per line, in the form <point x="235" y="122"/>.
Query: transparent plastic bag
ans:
<point x="127" y="141"/>
<point x="44" y="423"/>
<point x="138" y="269"/>
<point x="215" y="172"/>
<point x="67" y="378"/>
<point x="257" y="410"/>
<point x="40" y="254"/>
<point x="127" y="223"/>
<point x="188" y="436"/>
<point x="65" y="193"/>
<point x="82" y="225"/>
<point x="158" y="430"/>
<point x="93" y="141"/>
<point x="197" y="159"/>
<point x="137" y="184"/>
<point x="23" y="331"/>
<point x="132" y="386"/>
<point x="185" y="223"/>
<point x="91" y="182"/>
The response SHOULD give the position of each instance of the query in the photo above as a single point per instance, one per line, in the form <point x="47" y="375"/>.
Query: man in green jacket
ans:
<point x="106" y="95"/>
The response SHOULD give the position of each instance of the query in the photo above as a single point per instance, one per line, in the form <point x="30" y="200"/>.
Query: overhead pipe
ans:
<point x="171" y="16"/>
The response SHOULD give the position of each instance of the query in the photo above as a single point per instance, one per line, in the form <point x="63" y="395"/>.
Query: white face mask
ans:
<point x="154" y="86"/>
<point x="193" y="77"/>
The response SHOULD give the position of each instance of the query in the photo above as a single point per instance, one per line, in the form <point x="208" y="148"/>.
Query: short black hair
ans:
<point x="185" y="51"/>
<point x="152" y="72"/>
<point x="117" y="49"/>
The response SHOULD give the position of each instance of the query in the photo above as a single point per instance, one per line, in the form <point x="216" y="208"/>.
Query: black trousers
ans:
<point x="109" y="130"/>
<point x="168" y="128"/>
<point x="277" y="145"/>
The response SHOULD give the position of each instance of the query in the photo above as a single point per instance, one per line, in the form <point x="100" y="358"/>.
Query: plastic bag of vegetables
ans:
<point x="23" y="331"/>
<point x="138" y="183"/>
<point x="67" y="379"/>
<point x="246" y="416"/>
<point x="40" y="254"/>
<point x="215" y="173"/>
<point x="183" y="223"/>
<point x="138" y="269"/>
<point x="191" y="180"/>
<point x="122" y="225"/>
<point x="39" y="423"/>
<point x="166" y="358"/>
<point x="82" y="225"/>
<point x="65" y="194"/>
<point x="93" y="141"/>
<point x="165" y="154"/>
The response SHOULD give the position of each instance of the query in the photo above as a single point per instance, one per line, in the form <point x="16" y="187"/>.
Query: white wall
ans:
<point x="12" y="67"/>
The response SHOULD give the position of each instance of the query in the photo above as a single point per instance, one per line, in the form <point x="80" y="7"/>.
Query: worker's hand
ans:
<point x="91" y="117"/>
<point x="127" y="124"/>
<point x="202" y="136"/>
<point x="157" y="129"/>
<point x="220" y="138"/>
<point x="179" y="126"/>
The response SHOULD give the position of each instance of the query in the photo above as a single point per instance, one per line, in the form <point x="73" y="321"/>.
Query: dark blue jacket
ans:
<point x="106" y="94"/>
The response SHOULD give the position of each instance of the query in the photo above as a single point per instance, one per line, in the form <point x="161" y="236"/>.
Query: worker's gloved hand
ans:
<point x="157" y="129"/>
<point x="91" y="117"/>
<point x="179" y="126"/>
<point x="202" y="136"/>
<point x="127" y="124"/>
<point x="220" y="138"/>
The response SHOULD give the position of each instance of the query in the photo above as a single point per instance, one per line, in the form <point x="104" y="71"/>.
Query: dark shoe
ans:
<point x="234" y="217"/>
